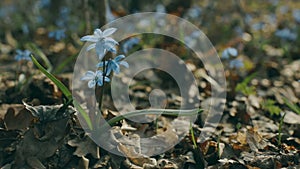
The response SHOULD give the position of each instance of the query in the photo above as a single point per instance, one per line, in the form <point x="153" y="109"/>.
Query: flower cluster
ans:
<point x="102" y="44"/>
<point x="286" y="34"/>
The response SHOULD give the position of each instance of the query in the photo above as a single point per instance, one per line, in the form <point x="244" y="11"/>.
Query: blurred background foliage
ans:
<point x="263" y="32"/>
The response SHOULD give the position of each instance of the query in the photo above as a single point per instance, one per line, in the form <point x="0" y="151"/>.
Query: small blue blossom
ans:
<point x="194" y="12"/>
<point x="25" y="28"/>
<point x="129" y="44"/>
<point x="248" y="18"/>
<point x="114" y="64"/>
<point x="258" y="26"/>
<point x="272" y="18"/>
<point x="23" y="55"/>
<point x="95" y="78"/>
<point x="284" y="9"/>
<point x="191" y="40"/>
<point x="101" y="42"/>
<point x="286" y="34"/>
<point x="61" y="22"/>
<point x="296" y="15"/>
<point x="44" y="3"/>
<point x="236" y="63"/>
<point x="160" y="8"/>
<point x="57" y="34"/>
<point x="229" y="52"/>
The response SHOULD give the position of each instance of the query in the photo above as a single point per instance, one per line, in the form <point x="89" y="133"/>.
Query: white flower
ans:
<point x="101" y="42"/>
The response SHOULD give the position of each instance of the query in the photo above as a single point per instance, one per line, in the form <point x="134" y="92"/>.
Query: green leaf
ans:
<point x="64" y="90"/>
<point x="169" y="112"/>
<point x="269" y="105"/>
<point x="35" y="49"/>
<point x="243" y="86"/>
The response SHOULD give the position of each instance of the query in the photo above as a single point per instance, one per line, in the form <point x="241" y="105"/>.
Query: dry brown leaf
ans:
<point x="42" y="147"/>
<point x="85" y="146"/>
<point x="255" y="141"/>
<point x="19" y="120"/>
<point x="135" y="157"/>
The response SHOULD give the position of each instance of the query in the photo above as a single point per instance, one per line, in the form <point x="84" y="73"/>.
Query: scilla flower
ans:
<point x="236" y="63"/>
<point x="101" y="42"/>
<point x="229" y="52"/>
<point x="114" y="64"/>
<point x="57" y="34"/>
<point x="23" y="55"/>
<point x="95" y="78"/>
<point x="286" y="34"/>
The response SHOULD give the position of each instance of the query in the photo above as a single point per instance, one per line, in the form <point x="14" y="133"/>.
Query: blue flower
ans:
<point x="95" y="78"/>
<point x="101" y="42"/>
<point x="191" y="40"/>
<point x="44" y="3"/>
<point x="236" y="63"/>
<point x="114" y="65"/>
<point x="23" y="55"/>
<point x="229" y="52"/>
<point x="194" y="12"/>
<point x="129" y="44"/>
<point x="25" y="28"/>
<point x="296" y="15"/>
<point x="258" y="26"/>
<point x="286" y="34"/>
<point x="160" y="8"/>
<point x="57" y="34"/>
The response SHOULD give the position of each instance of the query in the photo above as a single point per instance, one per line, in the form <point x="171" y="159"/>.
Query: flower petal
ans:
<point x="100" y="64"/>
<point x="232" y="51"/>
<point x="116" y="68"/>
<point x="110" y="47"/>
<point x="91" y="46"/>
<point x="108" y="71"/>
<point x="89" y="75"/>
<point x="98" y="33"/>
<point x="91" y="83"/>
<point x="100" y="49"/>
<point x="99" y="74"/>
<point x="124" y="63"/>
<point x="111" y="41"/>
<point x="118" y="58"/>
<point x="99" y="82"/>
<point x="225" y="54"/>
<point x="106" y="79"/>
<point x="108" y="32"/>
<point x="90" y="38"/>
